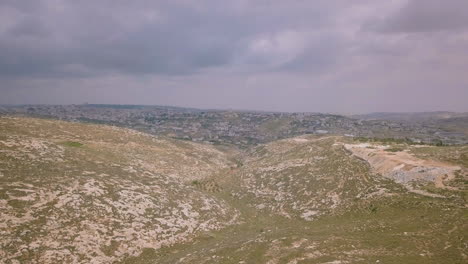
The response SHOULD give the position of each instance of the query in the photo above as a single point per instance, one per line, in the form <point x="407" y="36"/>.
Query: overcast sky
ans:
<point x="310" y="56"/>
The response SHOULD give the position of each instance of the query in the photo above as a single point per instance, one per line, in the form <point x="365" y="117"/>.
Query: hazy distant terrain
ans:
<point x="74" y="192"/>
<point x="454" y="123"/>
<point x="246" y="128"/>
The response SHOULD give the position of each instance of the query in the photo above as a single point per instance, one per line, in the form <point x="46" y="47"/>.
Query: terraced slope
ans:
<point x="74" y="193"/>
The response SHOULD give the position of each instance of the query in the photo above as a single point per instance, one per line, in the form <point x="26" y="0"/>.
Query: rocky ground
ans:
<point x="75" y="193"/>
<point x="84" y="193"/>
<point x="405" y="168"/>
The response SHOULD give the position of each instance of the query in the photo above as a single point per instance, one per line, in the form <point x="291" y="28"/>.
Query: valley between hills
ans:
<point x="73" y="192"/>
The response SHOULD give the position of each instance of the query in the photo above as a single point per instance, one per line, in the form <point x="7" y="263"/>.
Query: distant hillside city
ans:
<point x="244" y="128"/>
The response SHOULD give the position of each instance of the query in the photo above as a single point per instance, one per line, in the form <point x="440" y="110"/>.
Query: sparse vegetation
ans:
<point x="72" y="144"/>
<point x="87" y="193"/>
<point x="394" y="149"/>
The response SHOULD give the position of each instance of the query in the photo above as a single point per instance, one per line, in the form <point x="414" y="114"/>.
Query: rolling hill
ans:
<point x="86" y="193"/>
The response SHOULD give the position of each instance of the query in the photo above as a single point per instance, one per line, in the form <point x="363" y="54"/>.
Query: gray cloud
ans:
<point x="45" y="42"/>
<point x="428" y="16"/>
<point x="326" y="55"/>
<point x="177" y="37"/>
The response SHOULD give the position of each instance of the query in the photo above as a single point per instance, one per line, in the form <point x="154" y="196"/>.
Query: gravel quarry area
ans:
<point x="403" y="167"/>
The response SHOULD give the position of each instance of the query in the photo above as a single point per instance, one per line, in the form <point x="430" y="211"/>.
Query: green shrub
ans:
<point x="395" y="149"/>
<point x="72" y="144"/>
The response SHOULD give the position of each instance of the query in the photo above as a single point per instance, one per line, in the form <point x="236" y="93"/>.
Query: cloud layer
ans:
<point x="331" y="56"/>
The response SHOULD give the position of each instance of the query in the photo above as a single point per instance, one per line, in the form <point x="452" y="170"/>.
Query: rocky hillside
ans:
<point x="313" y="200"/>
<point x="83" y="193"/>
<point x="74" y="193"/>
<point x="305" y="176"/>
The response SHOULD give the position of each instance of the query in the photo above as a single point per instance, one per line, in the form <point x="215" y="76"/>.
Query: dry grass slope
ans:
<point x="74" y="193"/>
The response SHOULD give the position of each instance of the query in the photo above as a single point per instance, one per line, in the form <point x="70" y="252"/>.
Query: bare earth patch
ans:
<point x="403" y="167"/>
